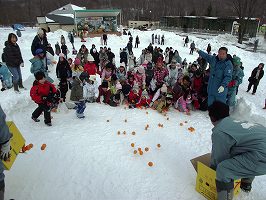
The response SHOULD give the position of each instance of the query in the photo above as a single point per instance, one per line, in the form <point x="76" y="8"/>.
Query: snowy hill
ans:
<point x="87" y="159"/>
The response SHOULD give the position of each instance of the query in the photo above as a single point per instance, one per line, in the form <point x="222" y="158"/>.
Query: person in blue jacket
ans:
<point x="5" y="77"/>
<point x="220" y="75"/>
<point x="238" y="151"/>
<point x="4" y="149"/>
<point x="237" y="78"/>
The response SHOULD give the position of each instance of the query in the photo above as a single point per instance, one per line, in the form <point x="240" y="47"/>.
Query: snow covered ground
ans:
<point x="87" y="159"/>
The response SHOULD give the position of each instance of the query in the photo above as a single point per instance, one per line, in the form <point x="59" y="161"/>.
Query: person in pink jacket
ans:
<point x="184" y="103"/>
<point x="107" y="72"/>
<point x="140" y="77"/>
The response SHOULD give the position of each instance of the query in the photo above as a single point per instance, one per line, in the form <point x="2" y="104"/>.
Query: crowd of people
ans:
<point x="158" y="79"/>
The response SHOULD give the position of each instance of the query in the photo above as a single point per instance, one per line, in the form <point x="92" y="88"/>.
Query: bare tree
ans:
<point x="244" y="9"/>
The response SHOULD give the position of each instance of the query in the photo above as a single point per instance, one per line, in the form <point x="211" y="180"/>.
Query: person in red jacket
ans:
<point x="144" y="101"/>
<point x="104" y="91"/>
<point x="134" y="96"/>
<point x="42" y="92"/>
<point x="90" y="66"/>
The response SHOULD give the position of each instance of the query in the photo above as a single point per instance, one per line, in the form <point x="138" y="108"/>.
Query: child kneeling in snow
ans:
<point x="144" y="101"/>
<point x="163" y="104"/>
<point x="90" y="89"/>
<point x="184" y="103"/>
<point x="5" y="77"/>
<point x="104" y="93"/>
<point x="134" y="96"/>
<point x="77" y="96"/>
<point x="43" y="93"/>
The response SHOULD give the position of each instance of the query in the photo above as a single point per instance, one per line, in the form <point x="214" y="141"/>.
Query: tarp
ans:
<point x="19" y="27"/>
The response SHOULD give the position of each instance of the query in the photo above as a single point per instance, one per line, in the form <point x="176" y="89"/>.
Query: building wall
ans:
<point x="136" y="24"/>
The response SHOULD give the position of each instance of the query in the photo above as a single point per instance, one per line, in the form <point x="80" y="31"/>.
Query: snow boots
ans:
<point x="16" y="88"/>
<point x="225" y="191"/>
<point x="246" y="184"/>
<point x="21" y="85"/>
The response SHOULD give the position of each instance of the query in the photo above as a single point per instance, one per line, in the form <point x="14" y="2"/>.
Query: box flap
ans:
<point x="205" y="159"/>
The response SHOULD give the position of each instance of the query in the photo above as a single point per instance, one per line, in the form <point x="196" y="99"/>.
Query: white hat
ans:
<point x="122" y="64"/>
<point x="92" y="78"/>
<point x="90" y="58"/>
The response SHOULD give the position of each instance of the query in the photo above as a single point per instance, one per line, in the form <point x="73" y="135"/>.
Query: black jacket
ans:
<point x="111" y="56"/>
<point x="12" y="55"/>
<point x="63" y="70"/>
<point x="39" y="43"/>
<point x="254" y="73"/>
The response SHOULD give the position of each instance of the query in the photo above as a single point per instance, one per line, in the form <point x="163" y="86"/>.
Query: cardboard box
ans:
<point x="16" y="142"/>
<point x="205" y="182"/>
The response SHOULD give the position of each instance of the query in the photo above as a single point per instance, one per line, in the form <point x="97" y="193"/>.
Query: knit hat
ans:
<point x="236" y="61"/>
<point x="61" y="55"/>
<point x="38" y="52"/>
<point x="39" y="75"/>
<point x="90" y="58"/>
<point x="77" y="61"/>
<point x="164" y="88"/>
<point x="104" y="84"/>
<point x="145" y="94"/>
<point x="92" y="78"/>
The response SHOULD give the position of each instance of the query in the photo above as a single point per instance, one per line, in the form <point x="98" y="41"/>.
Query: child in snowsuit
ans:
<point x="134" y="96"/>
<point x="43" y="93"/>
<point x="140" y="77"/>
<point x="104" y="93"/>
<point x="77" y="69"/>
<point x="63" y="73"/>
<point x="90" y="89"/>
<point x="77" y="96"/>
<point x="6" y="77"/>
<point x="144" y="101"/>
<point x="184" y="103"/>
<point x="163" y="104"/>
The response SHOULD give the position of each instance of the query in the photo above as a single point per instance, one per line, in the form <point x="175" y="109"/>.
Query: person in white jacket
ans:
<point x="90" y="89"/>
<point x="173" y="73"/>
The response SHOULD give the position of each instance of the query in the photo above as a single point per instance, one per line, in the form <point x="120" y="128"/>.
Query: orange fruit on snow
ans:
<point x="141" y="153"/>
<point x="30" y="146"/>
<point x="181" y="124"/>
<point x="158" y="145"/>
<point x="135" y="151"/>
<point x="124" y="132"/>
<point x="147" y="149"/>
<point x="43" y="147"/>
<point x="139" y="149"/>
<point x="150" y="164"/>
<point x="132" y="144"/>
<point x="147" y="126"/>
<point x="133" y="133"/>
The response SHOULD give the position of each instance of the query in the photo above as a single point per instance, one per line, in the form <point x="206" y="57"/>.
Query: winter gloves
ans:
<point x="220" y="89"/>
<point x="4" y="152"/>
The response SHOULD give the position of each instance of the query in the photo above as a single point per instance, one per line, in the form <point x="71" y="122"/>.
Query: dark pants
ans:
<point x="16" y="72"/>
<point x="136" y="45"/>
<point x="2" y="190"/>
<point x="255" y="85"/>
<point x="104" y="42"/>
<point x="47" y="113"/>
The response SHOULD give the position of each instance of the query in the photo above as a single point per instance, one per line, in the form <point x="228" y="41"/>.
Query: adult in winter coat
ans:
<point x="220" y="75"/>
<point x="71" y="39"/>
<point x="83" y="55"/>
<point x="42" y="93"/>
<point x="5" y="77"/>
<point x="141" y="57"/>
<point x="95" y="55"/>
<point x="162" y="40"/>
<point x="237" y="78"/>
<point x="111" y="55"/>
<point x="103" y="58"/>
<point x="186" y="41"/>
<point x="166" y="55"/>
<point x="124" y="56"/>
<point x="13" y="59"/>
<point x="137" y="42"/>
<point x="104" y="39"/>
<point x="209" y="49"/>
<point x="160" y="73"/>
<point x="57" y="49"/>
<point x="177" y="57"/>
<point x="62" y="40"/>
<point x="39" y="42"/>
<point x="131" y="60"/>
<point x="255" y="77"/>
<point x="90" y="66"/>
<point x="130" y="47"/>
<point x="241" y="155"/>
<point x="5" y="136"/>
<point x="37" y="64"/>
<point x="192" y="47"/>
